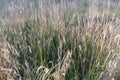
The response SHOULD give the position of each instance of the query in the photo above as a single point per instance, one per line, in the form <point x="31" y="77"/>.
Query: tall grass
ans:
<point x="69" y="43"/>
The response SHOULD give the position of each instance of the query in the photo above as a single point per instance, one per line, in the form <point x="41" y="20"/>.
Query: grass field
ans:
<point x="61" y="41"/>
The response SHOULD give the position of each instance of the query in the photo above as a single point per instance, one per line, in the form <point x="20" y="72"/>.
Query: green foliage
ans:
<point x="47" y="44"/>
<point x="39" y="49"/>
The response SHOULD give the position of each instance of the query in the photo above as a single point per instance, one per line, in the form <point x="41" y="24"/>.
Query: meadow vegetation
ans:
<point x="69" y="42"/>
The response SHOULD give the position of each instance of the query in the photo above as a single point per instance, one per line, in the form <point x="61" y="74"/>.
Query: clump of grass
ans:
<point x="64" y="46"/>
<point x="9" y="66"/>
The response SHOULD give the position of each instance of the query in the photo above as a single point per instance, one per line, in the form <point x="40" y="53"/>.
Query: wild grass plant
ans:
<point x="70" y="43"/>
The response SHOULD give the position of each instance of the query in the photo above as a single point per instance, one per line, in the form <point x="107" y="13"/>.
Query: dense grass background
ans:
<point x="74" y="40"/>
